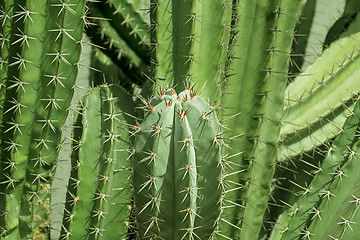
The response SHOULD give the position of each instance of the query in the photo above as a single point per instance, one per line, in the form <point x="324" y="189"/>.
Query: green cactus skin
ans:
<point x="190" y="41"/>
<point x="161" y="40"/>
<point x="32" y="121"/>
<point x="98" y="203"/>
<point x="60" y="72"/>
<point x="315" y="101"/>
<point x="180" y="184"/>
<point x="21" y="103"/>
<point x="329" y="193"/>
<point x="258" y="77"/>
<point x="103" y="34"/>
<point x="6" y="8"/>
<point x="133" y="19"/>
<point x="177" y="168"/>
<point x="321" y="22"/>
<point x="129" y="25"/>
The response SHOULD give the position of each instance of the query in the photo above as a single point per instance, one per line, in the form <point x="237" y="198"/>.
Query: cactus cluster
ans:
<point x="171" y="119"/>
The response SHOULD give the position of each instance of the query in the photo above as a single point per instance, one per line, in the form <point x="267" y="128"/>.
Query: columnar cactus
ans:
<point x="99" y="191"/>
<point x="41" y="45"/>
<point x="189" y="41"/>
<point x="177" y="167"/>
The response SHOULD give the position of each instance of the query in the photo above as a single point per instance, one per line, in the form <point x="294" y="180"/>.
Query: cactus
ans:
<point x="273" y="156"/>
<point x="315" y="206"/>
<point x="38" y="76"/>
<point x="189" y="41"/>
<point x="99" y="186"/>
<point x="177" y="167"/>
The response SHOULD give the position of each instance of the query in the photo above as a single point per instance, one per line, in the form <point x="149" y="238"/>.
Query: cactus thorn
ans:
<point x="157" y="129"/>
<point x="187" y="85"/>
<point x="150" y="107"/>
<point x="161" y="93"/>
<point x="173" y="92"/>
<point x="168" y="104"/>
<point x="192" y="93"/>
<point x="182" y="113"/>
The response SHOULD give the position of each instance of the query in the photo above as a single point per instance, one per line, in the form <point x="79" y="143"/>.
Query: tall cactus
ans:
<point x="99" y="188"/>
<point x="37" y="80"/>
<point x="190" y="41"/>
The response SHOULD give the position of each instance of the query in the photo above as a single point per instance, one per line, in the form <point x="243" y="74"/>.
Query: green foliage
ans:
<point x="262" y="141"/>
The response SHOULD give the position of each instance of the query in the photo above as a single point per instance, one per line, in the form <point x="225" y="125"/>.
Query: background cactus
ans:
<point x="99" y="184"/>
<point x="281" y="77"/>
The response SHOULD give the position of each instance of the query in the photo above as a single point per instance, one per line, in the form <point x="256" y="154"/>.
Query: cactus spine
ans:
<point x="177" y="167"/>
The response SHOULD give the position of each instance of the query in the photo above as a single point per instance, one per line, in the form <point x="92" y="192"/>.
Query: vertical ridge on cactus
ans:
<point x="197" y="35"/>
<point x="248" y="82"/>
<point x="21" y="103"/>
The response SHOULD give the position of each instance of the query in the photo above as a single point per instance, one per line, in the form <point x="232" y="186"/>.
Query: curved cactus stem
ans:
<point x="130" y="12"/>
<point x="318" y="189"/>
<point x="315" y="105"/>
<point x="321" y="22"/>
<point x="336" y="214"/>
<point x="111" y="44"/>
<point x="129" y="25"/>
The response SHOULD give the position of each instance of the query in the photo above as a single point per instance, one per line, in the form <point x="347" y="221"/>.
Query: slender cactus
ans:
<point x="38" y="78"/>
<point x="177" y="167"/>
<point x="99" y="187"/>
<point x="190" y="41"/>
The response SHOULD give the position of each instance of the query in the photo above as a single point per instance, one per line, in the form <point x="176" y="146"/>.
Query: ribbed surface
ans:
<point x="176" y="168"/>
